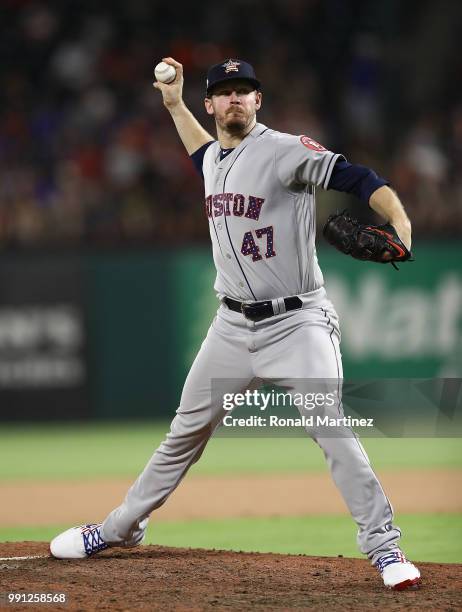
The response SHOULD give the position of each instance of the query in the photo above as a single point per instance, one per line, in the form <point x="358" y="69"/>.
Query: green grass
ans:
<point x="111" y="450"/>
<point x="427" y="537"/>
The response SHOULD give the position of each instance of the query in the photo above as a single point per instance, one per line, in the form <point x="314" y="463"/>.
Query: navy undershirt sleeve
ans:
<point x="355" y="179"/>
<point x="198" y="157"/>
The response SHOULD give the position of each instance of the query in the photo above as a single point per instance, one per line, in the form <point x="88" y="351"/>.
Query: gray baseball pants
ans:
<point x="298" y="345"/>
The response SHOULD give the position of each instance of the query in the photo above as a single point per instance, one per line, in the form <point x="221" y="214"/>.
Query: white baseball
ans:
<point x="165" y="73"/>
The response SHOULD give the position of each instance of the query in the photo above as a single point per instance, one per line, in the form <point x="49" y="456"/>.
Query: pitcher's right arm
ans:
<point x="192" y="134"/>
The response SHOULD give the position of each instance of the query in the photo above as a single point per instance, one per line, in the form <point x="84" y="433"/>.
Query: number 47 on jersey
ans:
<point x="250" y="247"/>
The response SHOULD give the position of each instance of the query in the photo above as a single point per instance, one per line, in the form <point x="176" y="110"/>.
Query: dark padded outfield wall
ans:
<point x="43" y="338"/>
<point x="113" y="334"/>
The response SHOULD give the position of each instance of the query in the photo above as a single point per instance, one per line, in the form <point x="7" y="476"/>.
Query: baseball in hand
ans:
<point x="165" y="73"/>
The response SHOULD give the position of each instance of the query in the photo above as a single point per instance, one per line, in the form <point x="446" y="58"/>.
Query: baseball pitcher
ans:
<point x="274" y="320"/>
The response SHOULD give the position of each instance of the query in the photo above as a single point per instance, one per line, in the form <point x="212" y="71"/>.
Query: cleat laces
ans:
<point x="389" y="559"/>
<point x="92" y="540"/>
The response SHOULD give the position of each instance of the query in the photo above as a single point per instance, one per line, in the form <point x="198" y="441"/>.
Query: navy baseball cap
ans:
<point x="231" y="69"/>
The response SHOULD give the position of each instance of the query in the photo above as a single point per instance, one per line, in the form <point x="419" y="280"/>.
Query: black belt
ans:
<point x="257" y="311"/>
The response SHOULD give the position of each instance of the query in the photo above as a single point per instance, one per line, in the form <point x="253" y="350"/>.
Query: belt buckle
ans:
<point x="250" y="312"/>
<point x="244" y="309"/>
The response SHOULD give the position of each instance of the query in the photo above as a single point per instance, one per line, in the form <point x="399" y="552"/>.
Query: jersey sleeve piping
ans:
<point x="330" y="167"/>
<point x="198" y="157"/>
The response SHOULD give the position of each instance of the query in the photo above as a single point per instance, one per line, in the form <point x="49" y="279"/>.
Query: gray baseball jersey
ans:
<point x="260" y="202"/>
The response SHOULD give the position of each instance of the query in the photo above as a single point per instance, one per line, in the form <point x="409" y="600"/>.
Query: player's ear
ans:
<point x="258" y="99"/>
<point x="208" y="106"/>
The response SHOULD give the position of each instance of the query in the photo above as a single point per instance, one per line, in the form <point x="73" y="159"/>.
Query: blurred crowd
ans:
<point x="89" y="156"/>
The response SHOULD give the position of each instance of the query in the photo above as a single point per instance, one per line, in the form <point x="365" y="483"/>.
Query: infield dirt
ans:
<point x="208" y="497"/>
<point x="158" y="578"/>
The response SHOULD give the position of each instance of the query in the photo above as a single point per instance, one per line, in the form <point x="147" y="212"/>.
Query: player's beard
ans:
<point x="236" y="121"/>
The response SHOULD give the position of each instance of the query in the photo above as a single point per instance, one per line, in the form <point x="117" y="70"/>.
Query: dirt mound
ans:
<point x="159" y="578"/>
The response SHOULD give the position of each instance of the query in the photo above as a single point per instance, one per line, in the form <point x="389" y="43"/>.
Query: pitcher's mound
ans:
<point x="159" y="578"/>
